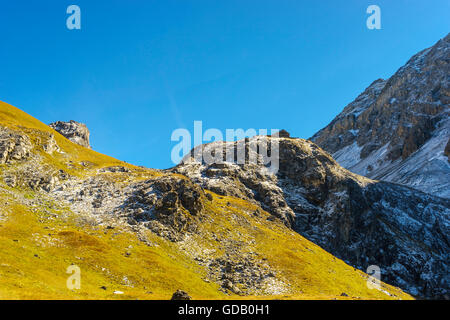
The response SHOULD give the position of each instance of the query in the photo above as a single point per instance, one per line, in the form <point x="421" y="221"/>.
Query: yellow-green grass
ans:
<point x="310" y="270"/>
<point x="36" y="251"/>
<point x="38" y="244"/>
<point x="36" y="130"/>
<point x="37" y="247"/>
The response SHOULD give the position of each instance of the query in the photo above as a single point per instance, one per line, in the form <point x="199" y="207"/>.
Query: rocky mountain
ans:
<point x="398" y="129"/>
<point x="137" y="233"/>
<point x="239" y="229"/>
<point x="364" y="222"/>
<point x="74" y="131"/>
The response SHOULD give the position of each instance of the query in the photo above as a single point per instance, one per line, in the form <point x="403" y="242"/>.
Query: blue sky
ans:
<point x="137" y="70"/>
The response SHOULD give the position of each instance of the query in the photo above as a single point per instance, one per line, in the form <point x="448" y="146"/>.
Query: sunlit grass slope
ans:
<point x="39" y="242"/>
<point x="16" y="119"/>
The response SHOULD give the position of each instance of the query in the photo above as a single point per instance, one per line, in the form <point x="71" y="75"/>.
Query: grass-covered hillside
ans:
<point x="139" y="233"/>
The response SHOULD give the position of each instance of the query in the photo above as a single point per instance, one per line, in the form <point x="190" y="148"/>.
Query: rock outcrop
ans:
<point x="13" y="145"/>
<point x="167" y="206"/>
<point x="398" y="129"/>
<point x="403" y="231"/>
<point x="74" y="131"/>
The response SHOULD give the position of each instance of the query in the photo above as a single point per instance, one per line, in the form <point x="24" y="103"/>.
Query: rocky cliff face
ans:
<point x="74" y="131"/>
<point x="403" y="231"/>
<point x="398" y="129"/>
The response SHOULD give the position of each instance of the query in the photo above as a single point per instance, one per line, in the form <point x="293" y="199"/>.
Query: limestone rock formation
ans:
<point x="74" y="131"/>
<point x="398" y="129"/>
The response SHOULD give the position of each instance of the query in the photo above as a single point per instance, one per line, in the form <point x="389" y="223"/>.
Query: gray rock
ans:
<point x="364" y="222"/>
<point x="74" y="131"/>
<point x="51" y="146"/>
<point x="180" y="295"/>
<point x="14" y="146"/>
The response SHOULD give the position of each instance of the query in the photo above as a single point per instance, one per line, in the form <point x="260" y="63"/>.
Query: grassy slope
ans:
<point x="16" y="119"/>
<point x="37" y="244"/>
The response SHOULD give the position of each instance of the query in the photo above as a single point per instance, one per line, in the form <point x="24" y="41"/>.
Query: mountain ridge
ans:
<point x="364" y="222"/>
<point x="398" y="129"/>
<point x="233" y="229"/>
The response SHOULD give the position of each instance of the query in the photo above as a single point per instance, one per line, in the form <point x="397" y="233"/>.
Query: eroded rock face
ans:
<point x="74" y="131"/>
<point x="14" y="146"/>
<point x="403" y="231"/>
<point x="167" y="206"/>
<point x="397" y="129"/>
<point x="250" y="181"/>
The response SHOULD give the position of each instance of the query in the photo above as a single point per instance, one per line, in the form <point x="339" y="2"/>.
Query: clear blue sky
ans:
<point x="137" y="70"/>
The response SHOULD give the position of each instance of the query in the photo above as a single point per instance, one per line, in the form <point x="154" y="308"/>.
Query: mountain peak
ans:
<point x="398" y="129"/>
